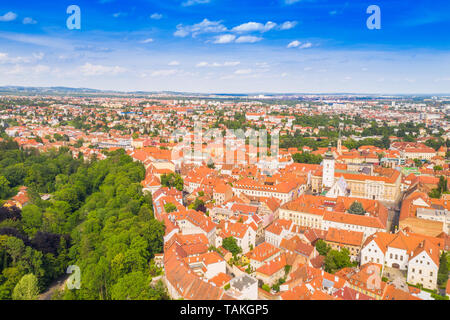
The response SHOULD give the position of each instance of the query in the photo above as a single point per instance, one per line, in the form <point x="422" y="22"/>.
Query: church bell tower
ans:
<point x="328" y="169"/>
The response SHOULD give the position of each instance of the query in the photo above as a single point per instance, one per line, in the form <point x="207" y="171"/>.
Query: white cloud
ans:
<point x="306" y="45"/>
<point x="294" y="44"/>
<point x="231" y="63"/>
<point x="205" y="26"/>
<point x="226" y="38"/>
<point x="230" y="38"/>
<point x="216" y="64"/>
<point x="174" y="63"/>
<point x="248" y="39"/>
<point x="298" y="44"/>
<point x="97" y="70"/>
<point x="5" y="58"/>
<point x="189" y="3"/>
<point x="149" y="40"/>
<point x="288" y="25"/>
<point x="269" y="26"/>
<point x="254" y="26"/>
<point x="156" y="16"/>
<point x="9" y="16"/>
<point x="29" y="20"/>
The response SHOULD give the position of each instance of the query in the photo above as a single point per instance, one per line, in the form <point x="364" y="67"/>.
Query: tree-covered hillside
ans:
<point x="97" y="218"/>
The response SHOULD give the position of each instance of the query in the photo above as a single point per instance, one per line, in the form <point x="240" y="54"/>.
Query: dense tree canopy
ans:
<point x="27" y="288"/>
<point x="172" y="180"/>
<point x="307" y="158"/>
<point x="337" y="260"/>
<point x="97" y="218"/>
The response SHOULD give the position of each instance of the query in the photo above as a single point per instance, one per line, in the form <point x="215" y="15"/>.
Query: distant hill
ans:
<point x="22" y="90"/>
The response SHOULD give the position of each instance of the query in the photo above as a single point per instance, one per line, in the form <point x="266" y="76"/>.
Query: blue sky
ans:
<point x="228" y="46"/>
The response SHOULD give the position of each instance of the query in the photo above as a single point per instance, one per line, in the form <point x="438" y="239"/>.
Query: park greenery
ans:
<point x="97" y="218"/>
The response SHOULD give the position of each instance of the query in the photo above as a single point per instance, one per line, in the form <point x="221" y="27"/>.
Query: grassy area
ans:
<point x="439" y="297"/>
<point x="434" y="293"/>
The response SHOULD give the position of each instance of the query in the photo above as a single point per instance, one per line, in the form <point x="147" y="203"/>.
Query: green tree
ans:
<point x="337" y="260"/>
<point x="231" y="245"/>
<point x="322" y="247"/>
<point x="434" y="194"/>
<point x="9" y="278"/>
<point x="357" y="208"/>
<point x="307" y="158"/>
<point x="170" y="207"/>
<point x="418" y="163"/>
<point x="443" y="271"/>
<point x="5" y="190"/>
<point x="386" y="142"/>
<point x="27" y="288"/>
<point x="442" y="185"/>
<point x="132" y="286"/>
<point x="31" y="219"/>
<point x="441" y="189"/>
<point x="198" y="205"/>
<point x="172" y="180"/>
<point x="15" y="247"/>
